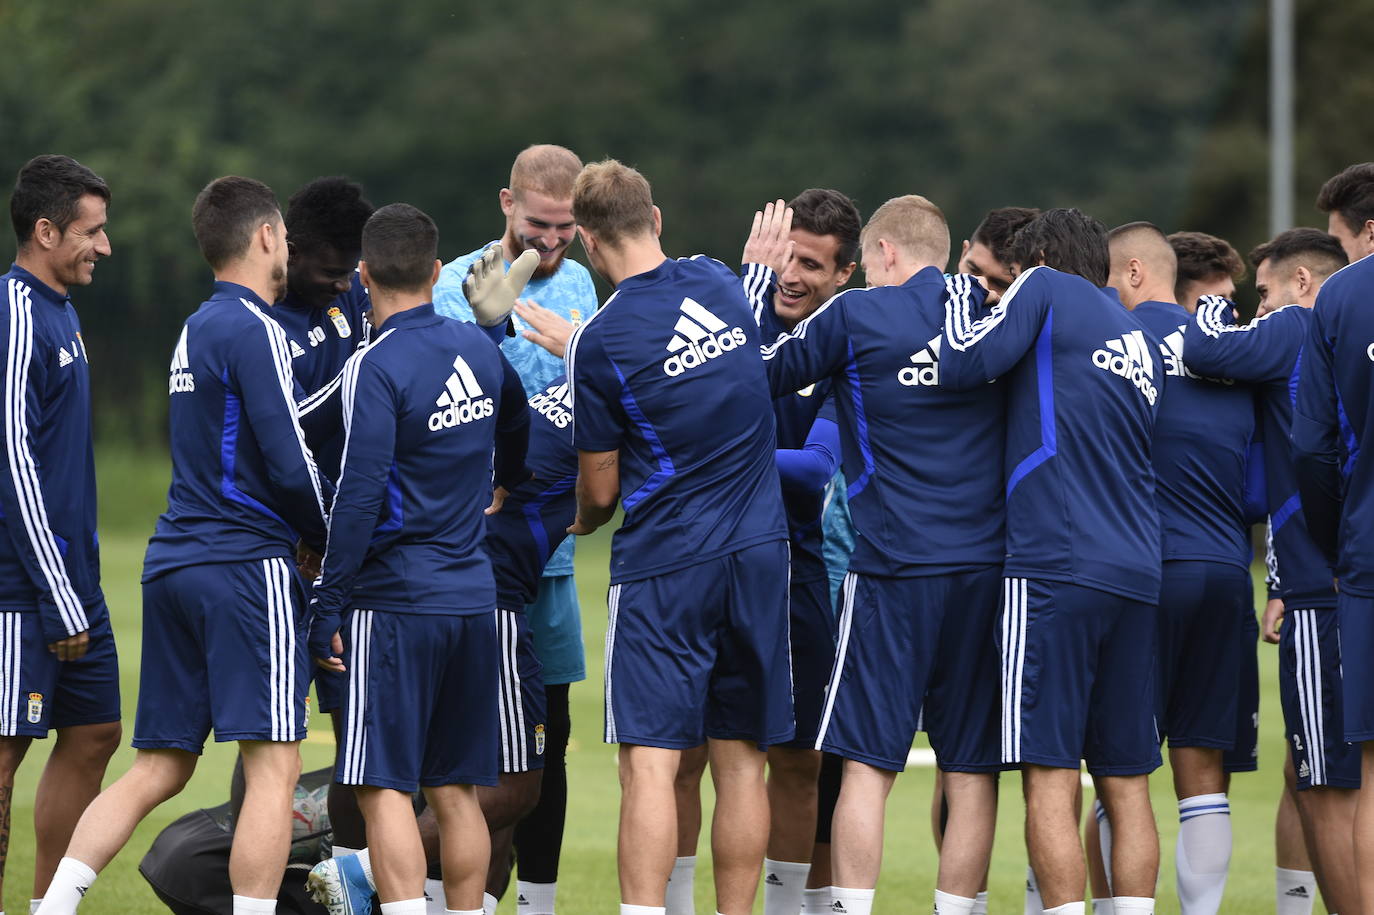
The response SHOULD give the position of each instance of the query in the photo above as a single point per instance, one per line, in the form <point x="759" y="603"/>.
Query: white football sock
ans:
<point x="1295" y="891"/>
<point x="642" y="909"/>
<point x="679" y="899"/>
<point x="33" y="906"/>
<point x="1203" y="852"/>
<point x="980" y="903"/>
<point x="847" y="901"/>
<point x="815" y="901"/>
<point x="462" y="912"/>
<point x="70" y="882"/>
<point x="534" y="898"/>
<point x="247" y="905"/>
<point x="436" y="903"/>
<point x="1102" y="907"/>
<point x="489" y="904"/>
<point x="1133" y="905"/>
<point x="1034" y="906"/>
<point x="1068" y="908"/>
<point x="949" y="904"/>
<point x="1104" y="839"/>
<point x="404" y="907"/>
<point x="365" y="862"/>
<point x="783" y="882"/>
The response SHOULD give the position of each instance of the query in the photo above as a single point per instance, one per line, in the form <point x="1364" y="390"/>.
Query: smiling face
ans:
<point x="538" y="222"/>
<point x="72" y="259"/>
<point x="320" y="273"/>
<point x="978" y="260"/>
<point x="812" y="277"/>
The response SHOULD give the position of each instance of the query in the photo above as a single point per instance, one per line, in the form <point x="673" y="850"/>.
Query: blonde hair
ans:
<point x="613" y="201"/>
<point x="914" y="225"/>
<point x="545" y="169"/>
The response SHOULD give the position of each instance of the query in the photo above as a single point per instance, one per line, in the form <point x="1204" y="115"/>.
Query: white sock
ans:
<point x="404" y="907"/>
<point x="783" y="882"/>
<point x="489" y="904"/>
<point x="643" y="909"/>
<point x="980" y="903"/>
<point x="1068" y="908"/>
<point x="1203" y="852"/>
<point x="949" y="904"/>
<point x="436" y="903"/>
<point x="1102" y="907"/>
<point x="1295" y="891"/>
<point x="1034" y="906"/>
<point x="462" y="912"/>
<point x="365" y="861"/>
<point x="1133" y="905"/>
<point x="534" y="898"/>
<point x="848" y="901"/>
<point x="1104" y="839"/>
<point x="33" y="906"/>
<point x="69" y="883"/>
<point x="817" y="901"/>
<point x="679" y="899"/>
<point x="247" y="905"/>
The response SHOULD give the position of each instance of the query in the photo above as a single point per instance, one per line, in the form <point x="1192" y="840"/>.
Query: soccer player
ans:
<point x="985" y="252"/>
<point x="221" y="599"/>
<point x="920" y="599"/>
<point x="1207" y="265"/>
<point x="1083" y="557"/>
<point x="62" y="671"/>
<point x="672" y="417"/>
<point x="1266" y="354"/>
<point x="1201" y="442"/>
<point x="537" y="206"/>
<point x="405" y="571"/>
<point x="1334" y="471"/>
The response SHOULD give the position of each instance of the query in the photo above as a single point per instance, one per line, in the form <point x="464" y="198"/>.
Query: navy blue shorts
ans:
<point x="812" y="625"/>
<point x="1078" y="672"/>
<point x="1310" y="688"/>
<point x="39" y="692"/>
<point x="702" y="652"/>
<point x="962" y="713"/>
<point x="1244" y="753"/>
<point x="223" y="648"/>
<point x="1201" y="607"/>
<point x="890" y="645"/>
<point x="422" y="702"/>
<point x="523" y="708"/>
<point x="1357" y="643"/>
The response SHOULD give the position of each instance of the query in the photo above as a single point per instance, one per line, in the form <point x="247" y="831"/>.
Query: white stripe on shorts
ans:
<point x="355" y="728"/>
<point x="613" y="608"/>
<point x="1013" y="665"/>
<point x="514" y="752"/>
<point x="11" y="633"/>
<point x="1307" y="648"/>
<point x="281" y="648"/>
<point x="847" y="589"/>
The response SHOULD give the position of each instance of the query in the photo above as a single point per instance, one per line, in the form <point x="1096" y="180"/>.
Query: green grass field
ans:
<point x="132" y="492"/>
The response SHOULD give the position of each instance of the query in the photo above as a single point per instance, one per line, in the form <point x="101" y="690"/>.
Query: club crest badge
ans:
<point x="35" y="708"/>
<point x="575" y="316"/>
<point x="538" y="740"/>
<point x="340" y="322"/>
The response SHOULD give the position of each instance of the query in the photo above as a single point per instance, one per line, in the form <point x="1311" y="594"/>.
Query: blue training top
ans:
<point x="50" y="560"/>
<point x="1083" y="385"/>
<point x="244" y="485"/>
<point x="668" y="372"/>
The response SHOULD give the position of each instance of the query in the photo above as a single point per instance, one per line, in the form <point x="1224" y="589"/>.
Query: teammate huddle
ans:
<point x="1048" y="466"/>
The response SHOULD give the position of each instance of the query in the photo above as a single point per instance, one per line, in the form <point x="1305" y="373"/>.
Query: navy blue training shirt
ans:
<point x="668" y="372"/>
<point x="425" y="406"/>
<point x="1265" y="353"/>
<point x="1332" y="419"/>
<point x="1202" y="439"/>
<point x="923" y="463"/>
<point x="244" y="484"/>
<point x="1083" y="385"/>
<point x="50" y="556"/>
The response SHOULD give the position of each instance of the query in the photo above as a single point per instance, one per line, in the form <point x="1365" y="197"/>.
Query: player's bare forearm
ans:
<point x="598" y="489"/>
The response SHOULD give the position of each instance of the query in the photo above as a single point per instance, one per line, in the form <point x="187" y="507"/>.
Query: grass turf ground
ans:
<point x="132" y="493"/>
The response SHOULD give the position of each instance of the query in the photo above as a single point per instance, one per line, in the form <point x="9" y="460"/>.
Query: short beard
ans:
<point x="278" y="282"/>
<point x="545" y="269"/>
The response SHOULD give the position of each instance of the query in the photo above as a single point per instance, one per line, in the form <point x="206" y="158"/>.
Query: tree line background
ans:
<point x="1139" y="109"/>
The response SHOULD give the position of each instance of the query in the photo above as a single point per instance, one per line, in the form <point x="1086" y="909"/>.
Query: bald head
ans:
<point x="1143" y="264"/>
<point x="903" y="236"/>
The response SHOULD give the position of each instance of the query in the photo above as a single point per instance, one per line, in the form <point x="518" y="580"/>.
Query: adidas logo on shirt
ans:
<point x="1129" y="357"/>
<point x="64" y="358"/>
<point x="296" y="350"/>
<point x="181" y="380"/>
<point x="462" y="400"/>
<point x="925" y="368"/>
<point x="554" y="404"/>
<point x="700" y="336"/>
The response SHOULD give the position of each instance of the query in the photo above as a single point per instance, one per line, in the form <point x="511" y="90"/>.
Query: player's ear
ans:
<point x="507" y="198"/>
<point x="844" y="273"/>
<point x="889" y="251"/>
<point x="658" y="222"/>
<point x="588" y="240"/>
<point x="364" y="275"/>
<point x="434" y="274"/>
<point x="1136" y="271"/>
<point x="963" y="252"/>
<point x="1303" y="276"/>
